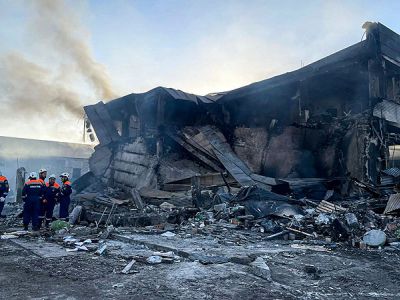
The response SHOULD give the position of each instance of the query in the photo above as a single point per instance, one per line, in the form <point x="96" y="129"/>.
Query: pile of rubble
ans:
<point x="361" y="220"/>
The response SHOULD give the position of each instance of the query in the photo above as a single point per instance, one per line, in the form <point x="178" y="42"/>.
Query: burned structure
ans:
<point x="332" y="119"/>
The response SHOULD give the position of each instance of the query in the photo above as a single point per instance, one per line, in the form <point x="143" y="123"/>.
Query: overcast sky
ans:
<point x="197" y="46"/>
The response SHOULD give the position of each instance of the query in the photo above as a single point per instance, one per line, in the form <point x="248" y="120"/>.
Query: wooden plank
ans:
<point x="137" y="199"/>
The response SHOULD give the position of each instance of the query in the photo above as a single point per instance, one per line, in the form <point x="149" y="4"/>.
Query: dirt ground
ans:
<point x="33" y="268"/>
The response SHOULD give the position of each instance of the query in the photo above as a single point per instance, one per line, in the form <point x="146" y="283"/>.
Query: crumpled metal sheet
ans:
<point x="393" y="204"/>
<point x="388" y="110"/>
<point x="261" y="203"/>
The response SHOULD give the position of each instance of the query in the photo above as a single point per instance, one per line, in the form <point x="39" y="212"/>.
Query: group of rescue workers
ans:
<point x="40" y="198"/>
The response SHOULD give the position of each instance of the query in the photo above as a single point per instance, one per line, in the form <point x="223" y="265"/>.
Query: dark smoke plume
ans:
<point x="28" y="87"/>
<point x="55" y="20"/>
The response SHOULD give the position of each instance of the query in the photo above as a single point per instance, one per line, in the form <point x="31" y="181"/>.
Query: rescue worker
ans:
<point x="51" y="195"/>
<point x="43" y="202"/>
<point x="65" y="192"/>
<point x="32" y="194"/>
<point x="4" y="189"/>
<point x="43" y="175"/>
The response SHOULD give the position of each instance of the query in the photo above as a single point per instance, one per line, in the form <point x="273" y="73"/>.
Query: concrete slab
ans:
<point x="43" y="249"/>
<point x="191" y="248"/>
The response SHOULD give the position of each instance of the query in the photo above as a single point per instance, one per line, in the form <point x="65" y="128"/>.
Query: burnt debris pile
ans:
<point x="310" y="154"/>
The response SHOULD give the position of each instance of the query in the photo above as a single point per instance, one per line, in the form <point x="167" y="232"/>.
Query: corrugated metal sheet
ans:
<point x="386" y="180"/>
<point x="180" y="95"/>
<point x="328" y="207"/>
<point x="388" y="110"/>
<point x="393" y="204"/>
<point x="395" y="172"/>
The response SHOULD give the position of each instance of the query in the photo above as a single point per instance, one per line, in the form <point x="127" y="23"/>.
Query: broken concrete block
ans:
<point x="154" y="259"/>
<point x="351" y="220"/>
<point x="374" y="238"/>
<point x="260" y="268"/>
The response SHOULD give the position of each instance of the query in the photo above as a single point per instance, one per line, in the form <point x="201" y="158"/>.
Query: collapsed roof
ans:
<point x="332" y="118"/>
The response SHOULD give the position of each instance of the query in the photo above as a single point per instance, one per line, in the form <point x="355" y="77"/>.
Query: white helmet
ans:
<point x="52" y="176"/>
<point x="42" y="170"/>
<point x="64" y="175"/>
<point x="32" y="175"/>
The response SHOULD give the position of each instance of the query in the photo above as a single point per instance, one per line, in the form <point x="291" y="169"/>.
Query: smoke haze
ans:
<point x="48" y="97"/>
<point x="53" y="53"/>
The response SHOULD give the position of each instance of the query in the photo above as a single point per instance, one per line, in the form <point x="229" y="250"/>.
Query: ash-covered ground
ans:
<point x="217" y="262"/>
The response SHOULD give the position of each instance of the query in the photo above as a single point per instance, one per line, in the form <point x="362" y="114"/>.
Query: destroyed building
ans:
<point x="335" y="118"/>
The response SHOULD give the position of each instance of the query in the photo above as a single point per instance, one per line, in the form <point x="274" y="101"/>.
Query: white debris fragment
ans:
<point x="168" y="234"/>
<point x="154" y="259"/>
<point x="101" y="250"/>
<point x="8" y="236"/>
<point x="78" y="248"/>
<point x="128" y="267"/>
<point x="70" y="240"/>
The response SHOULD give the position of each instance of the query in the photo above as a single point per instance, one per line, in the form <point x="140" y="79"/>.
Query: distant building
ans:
<point x="56" y="157"/>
